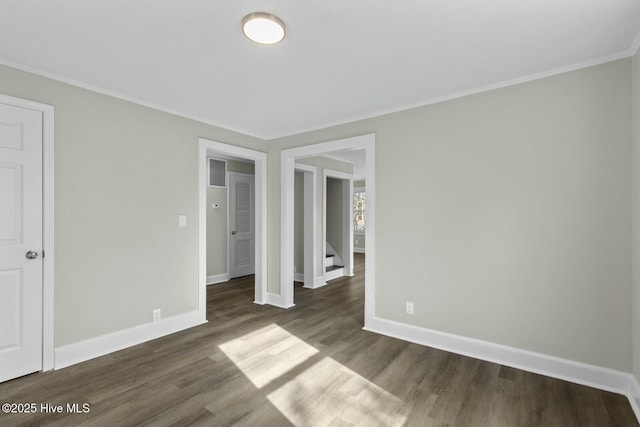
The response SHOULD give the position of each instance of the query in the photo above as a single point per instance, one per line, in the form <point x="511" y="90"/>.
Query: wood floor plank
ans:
<point x="253" y="365"/>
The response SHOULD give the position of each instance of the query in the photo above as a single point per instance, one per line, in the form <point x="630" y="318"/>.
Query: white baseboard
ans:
<point x="277" y="300"/>
<point x="634" y="396"/>
<point x="316" y="286"/>
<point x="318" y="282"/>
<point x="99" y="346"/>
<point x="358" y="250"/>
<point x="551" y="366"/>
<point x="334" y="274"/>
<point x="298" y="277"/>
<point x="217" y="278"/>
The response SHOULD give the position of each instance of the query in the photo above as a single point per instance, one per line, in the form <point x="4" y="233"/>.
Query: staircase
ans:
<point x="332" y="271"/>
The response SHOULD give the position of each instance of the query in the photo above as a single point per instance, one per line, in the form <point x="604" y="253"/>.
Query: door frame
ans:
<point x="229" y="174"/>
<point x="347" y="218"/>
<point x="310" y="174"/>
<point x="205" y="148"/>
<point x="47" y="221"/>
<point x="287" y="181"/>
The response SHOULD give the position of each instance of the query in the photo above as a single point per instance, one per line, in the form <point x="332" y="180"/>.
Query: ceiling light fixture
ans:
<point x="263" y="28"/>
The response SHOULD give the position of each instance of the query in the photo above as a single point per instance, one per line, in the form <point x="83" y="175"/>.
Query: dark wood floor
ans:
<point x="310" y="365"/>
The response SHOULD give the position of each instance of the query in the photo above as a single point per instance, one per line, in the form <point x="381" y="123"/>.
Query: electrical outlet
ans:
<point x="409" y="307"/>
<point x="156" y="315"/>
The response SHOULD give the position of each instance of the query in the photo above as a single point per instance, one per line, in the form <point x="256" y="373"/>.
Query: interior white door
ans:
<point x="20" y="241"/>
<point x="241" y="225"/>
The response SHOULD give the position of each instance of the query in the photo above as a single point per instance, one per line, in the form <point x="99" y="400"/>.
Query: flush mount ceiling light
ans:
<point x="263" y="28"/>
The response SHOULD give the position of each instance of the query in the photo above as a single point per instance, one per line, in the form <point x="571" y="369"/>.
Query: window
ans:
<point x="359" y="209"/>
<point x="217" y="172"/>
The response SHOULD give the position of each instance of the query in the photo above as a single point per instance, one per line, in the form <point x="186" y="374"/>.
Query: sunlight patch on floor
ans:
<point x="325" y="393"/>
<point x="267" y="353"/>
<point x="329" y="393"/>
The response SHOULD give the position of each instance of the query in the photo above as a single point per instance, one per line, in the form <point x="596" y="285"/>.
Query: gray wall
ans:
<point x="519" y="227"/>
<point x="217" y="233"/>
<point x="520" y="231"/>
<point x="359" y="242"/>
<point x="123" y="174"/>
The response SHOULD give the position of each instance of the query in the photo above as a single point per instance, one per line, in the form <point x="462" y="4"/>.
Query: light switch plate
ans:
<point x="182" y="220"/>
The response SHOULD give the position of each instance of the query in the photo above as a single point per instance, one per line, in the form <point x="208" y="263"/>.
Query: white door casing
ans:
<point x="241" y="225"/>
<point x="207" y="148"/>
<point x="287" y="171"/>
<point x="21" y="230"/>
<point x="311" y="278"/>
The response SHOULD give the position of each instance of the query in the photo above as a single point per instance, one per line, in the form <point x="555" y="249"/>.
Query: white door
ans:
<point x="241" y="225"/>
<point x="20" y="241"/>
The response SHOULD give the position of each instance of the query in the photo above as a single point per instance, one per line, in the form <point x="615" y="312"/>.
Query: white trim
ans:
<point x="310" y="222"/>
<point x="634" y="396"/>
<point x="551" y="366"/>
<point x="115" y="94"/>
<point x="48" y="211"/>
<point x="634" y="388"/>
<point x="630" y="51"/>
<point x="334" y="274"/>
<point x="359" y="250"/>
<point x="318" y="282"/>
<point x="226" y="231"/>
<point x="333" y="157"/>
<point x="276" y="300"/>
<point x="217" y="278"/>
<point x="205" y="147"/>
<point x="287" y="179"/>
<point x="298" y="277"/>
<point x="337" y="174"/>
<point x="287" y="215"/>
<point x="99" y="346"/>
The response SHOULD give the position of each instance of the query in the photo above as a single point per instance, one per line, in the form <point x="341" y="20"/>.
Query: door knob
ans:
<point x="233" y="232"/>
<point x="31" y="255"/>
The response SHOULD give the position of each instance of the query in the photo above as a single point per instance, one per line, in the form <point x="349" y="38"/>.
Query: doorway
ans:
<point x="26" y="234"/>
<point x="288" y="159"/>
<point x="338" y="224"/>
<point x="206" y="149"/>
<point x="241" y="225"/>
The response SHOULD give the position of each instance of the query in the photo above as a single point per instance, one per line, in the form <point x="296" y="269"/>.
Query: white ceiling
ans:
<point x="341" y="60"/>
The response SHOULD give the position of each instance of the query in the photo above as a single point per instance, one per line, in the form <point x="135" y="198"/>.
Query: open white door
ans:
<point x="21" y="133"/>
<point x="241" y="225"/>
